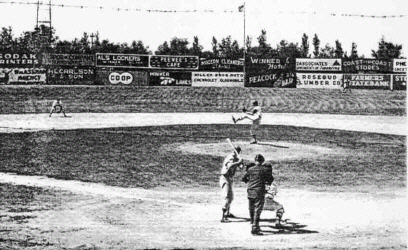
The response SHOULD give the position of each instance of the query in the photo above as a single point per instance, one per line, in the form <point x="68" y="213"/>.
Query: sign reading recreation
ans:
<point x="221" y="64"/>
<point x="367" y="65"/>
<point x="400" y="65"/>
<point x="69" y="59"/>
<point x="319" y="80"/>
<point x="218" y="79"/>
<point x="368" y="81"/>
<point x="174" y="62"/>
<point x="318" y="64"/>
<point x="18" y="59"/>
<point x="122" y="60"/>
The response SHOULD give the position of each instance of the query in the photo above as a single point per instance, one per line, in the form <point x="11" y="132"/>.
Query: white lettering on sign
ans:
<point x="116" y="78"/>
<point x="400" y="65"/>
<point x="319" y="80"/>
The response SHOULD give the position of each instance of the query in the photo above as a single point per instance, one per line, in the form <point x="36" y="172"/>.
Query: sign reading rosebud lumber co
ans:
<point x="122" y="60"/>
<point x="69" y="59"/>
<point x="318" y="64"/>
<point x="221" y="64"/>
<point x="15" y="60"/>
<point x="169" y="78"/>
<point x="319" y="80"/>
<point x="174" y="62"/>
<point x="367" y="65"/>
<point x="68" y="75"/>
<point x="218" y="79"/>
<point x="400" y="65"/>
<point x="359" y="81"/>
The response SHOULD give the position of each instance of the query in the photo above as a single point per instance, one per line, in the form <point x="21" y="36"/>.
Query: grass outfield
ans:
<point x="37" y="99"/>
<point x="145" y="157"/>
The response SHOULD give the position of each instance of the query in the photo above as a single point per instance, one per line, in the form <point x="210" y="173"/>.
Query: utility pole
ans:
<point x="92" y="38"/>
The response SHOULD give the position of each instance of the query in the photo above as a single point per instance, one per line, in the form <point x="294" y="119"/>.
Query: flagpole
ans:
<point x="244" y="45"/>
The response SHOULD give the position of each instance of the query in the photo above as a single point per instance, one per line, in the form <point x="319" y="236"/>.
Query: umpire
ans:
<point x="257" y="176"/>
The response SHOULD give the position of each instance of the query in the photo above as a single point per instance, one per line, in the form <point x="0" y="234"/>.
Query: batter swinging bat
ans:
<point x="232" y="145"/>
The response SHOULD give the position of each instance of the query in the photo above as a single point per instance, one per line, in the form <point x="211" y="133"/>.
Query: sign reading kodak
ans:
<point x="174" y="62"/>
<point x="14" y="60"/>
<point x="122" y="60"/>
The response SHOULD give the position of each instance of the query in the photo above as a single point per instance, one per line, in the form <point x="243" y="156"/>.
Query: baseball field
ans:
<point x="136" y="168"/>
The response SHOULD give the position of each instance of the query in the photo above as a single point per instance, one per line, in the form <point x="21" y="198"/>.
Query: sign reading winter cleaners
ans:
<point x="367" y="65"/>
<point x="169" y="78"/>
<point x="368" y="81"/>
<point x="221" y="64"/>
<point x="10" y="60"/>
<point x="174" y="62"/>
<point x="400" y="65"/>
<point x="318" y="64"/>
<point x="319" y="80"/>
<point x="218" y="79"/>
<point x="69" y="59"/>
<point x="68" y="75"/>
<point x="122" y="60"/>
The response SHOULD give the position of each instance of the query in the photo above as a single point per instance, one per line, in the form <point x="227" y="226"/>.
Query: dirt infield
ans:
<point x="105" y="217"/>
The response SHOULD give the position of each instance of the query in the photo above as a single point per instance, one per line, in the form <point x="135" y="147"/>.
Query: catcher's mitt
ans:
<point x="244" y="110"/>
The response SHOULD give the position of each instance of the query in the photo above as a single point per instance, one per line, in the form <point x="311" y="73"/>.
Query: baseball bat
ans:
<point x="232" y="145"/>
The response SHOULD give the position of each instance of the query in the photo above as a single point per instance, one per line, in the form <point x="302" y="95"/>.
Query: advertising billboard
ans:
<point x="221" y="64"/>
<point x="368" y="81"/>
<point x="318" y="64"/>
<point x="23" y="76"/>
<point x="270" y="72"/>
<point x="399" y="65"/>
<point x="18" y="60"/>
<point x="169" y="78"/>
<point x="69" y="59"/>
<point x="68" y="75"/>
<point x="319" y="80"/>
<point x="174" y="62"/>
<point x="218" y="79"/>
<point x="121" y="76"/>
<point x="122" y="60"/>
<point x="367" y="65"/>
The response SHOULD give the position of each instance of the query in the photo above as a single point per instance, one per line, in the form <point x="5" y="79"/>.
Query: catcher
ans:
<point x="57" y="107"/>
<point x="272" y="205"/>
<point x="255" y="116"/>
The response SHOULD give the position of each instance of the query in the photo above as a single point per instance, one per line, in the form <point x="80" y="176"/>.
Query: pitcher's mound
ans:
<point x="270" y="150"/>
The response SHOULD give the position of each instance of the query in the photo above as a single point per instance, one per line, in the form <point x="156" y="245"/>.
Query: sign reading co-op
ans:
<point x="319" y="80"/>
<point x="368" y="81"/>
<point x="318" y="64"/>
<point x="121" y="76"/>
<point x="217" y="79"/>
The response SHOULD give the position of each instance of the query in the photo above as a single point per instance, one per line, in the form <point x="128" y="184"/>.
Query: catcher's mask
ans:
<point x="259" y="158"/>
<point x="238" y="149"/>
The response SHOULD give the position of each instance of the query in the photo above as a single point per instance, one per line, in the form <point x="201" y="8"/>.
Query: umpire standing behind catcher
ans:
<point x="257" y="176"/>
<point x="229" y="167"/>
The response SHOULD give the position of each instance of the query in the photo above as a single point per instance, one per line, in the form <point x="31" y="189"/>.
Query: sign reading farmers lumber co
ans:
<point x="69" y="60"/>
<point x="318" y="64"/>
<point x="18" y="60"/>
<point x="174" y="62"/>
<point x="269" y="72"/>
<point x="122" y="60"/>
<point x="400" y="65"/>
<point x="65" y="75"/>
<point x="367" y="65"/>
<point x="23" y="76"/>
<point x="368" y="81"/>
<point x="218" y="79"/>
<point x="221" y="64"/>
<point x="319" y="80"/>
<point x="169" y="78"/>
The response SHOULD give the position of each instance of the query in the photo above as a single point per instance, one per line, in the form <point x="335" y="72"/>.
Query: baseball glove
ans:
<point x="244" y="110"/>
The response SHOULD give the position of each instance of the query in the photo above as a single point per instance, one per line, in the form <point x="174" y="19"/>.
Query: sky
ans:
<point x="282" y="20"/>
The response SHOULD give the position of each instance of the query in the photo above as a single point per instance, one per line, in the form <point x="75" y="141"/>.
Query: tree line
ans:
<point x="43" y="40"/>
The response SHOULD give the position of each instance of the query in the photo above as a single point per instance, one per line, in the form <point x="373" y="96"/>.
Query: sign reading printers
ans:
<point x="122" y="60"/>
<point x="319" y="80"/>
<point x="221" y="64"/>
<point x="318" y="64"/>
<point x="269" y="72"/>
<point x="169" y="78"/>
<point x="174" y="62"/>
<point x="218" y="79"/>
<point x="368" y="81"/>
<point x="367" y="65"/>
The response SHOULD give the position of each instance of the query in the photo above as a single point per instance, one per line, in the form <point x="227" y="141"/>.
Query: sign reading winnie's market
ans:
<point x="122" y="60"/>
<point x="318" y="64"/>
<point x="18" y="60"/>
<point x="174" y="62"/>
<point x="221" y="64"/>
<point x="367" y="65"/>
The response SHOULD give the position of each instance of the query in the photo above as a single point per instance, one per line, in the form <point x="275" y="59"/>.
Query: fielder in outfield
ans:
<point x="57" y="107"/>
<point x="229" y="167"/>
<point x="255" y="115"/>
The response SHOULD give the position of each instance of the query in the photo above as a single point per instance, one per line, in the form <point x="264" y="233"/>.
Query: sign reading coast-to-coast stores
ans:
<point x="169" y="78"/>
<point x="269" y="72"/>
<point x="122" y="60"/>
<point x="368" y="81"/>
<point x="15" y="60"/>
<point x="400" y="65"/>
<point x="319" y="80"/>
<point x="367" y="65"/>
<point x="318" y="64"/>
<point x="174" y="62"/>
<point x="221" y="64"/>
<point x="217" y="79"/>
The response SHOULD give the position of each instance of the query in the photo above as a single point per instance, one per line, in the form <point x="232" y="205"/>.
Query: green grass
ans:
<point x="38" y="99"/>
<point x="134" y="157"/>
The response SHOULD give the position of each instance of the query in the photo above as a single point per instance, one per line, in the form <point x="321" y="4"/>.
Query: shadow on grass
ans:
<point x="286" y="227"/>
<point x="272" y="145"/>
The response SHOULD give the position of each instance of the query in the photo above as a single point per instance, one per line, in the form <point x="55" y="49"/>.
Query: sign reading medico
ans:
<point x="319" y="80"/>
<point x="318" y="64"/>
<point x="218" y="79"/>
<point x="400" y="65"/>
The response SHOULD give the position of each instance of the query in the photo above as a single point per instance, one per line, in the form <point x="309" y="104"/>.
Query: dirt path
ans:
<point x="121" y="218"/>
